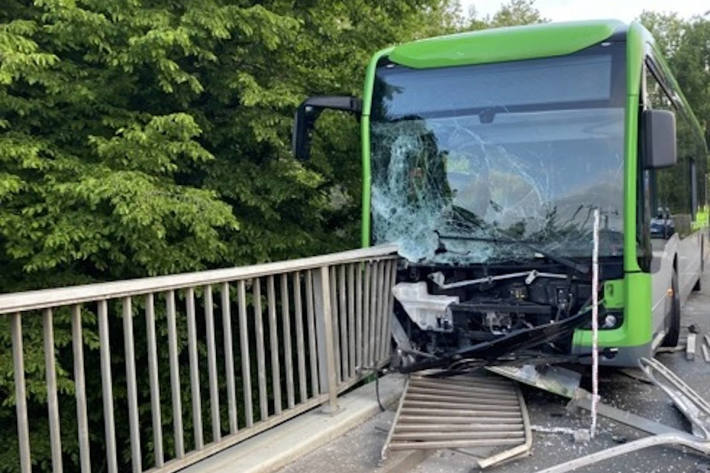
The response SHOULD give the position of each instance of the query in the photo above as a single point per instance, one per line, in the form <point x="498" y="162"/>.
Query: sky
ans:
<point x="625" y="10"/>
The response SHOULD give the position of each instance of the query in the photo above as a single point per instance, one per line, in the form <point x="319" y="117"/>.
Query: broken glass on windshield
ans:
<point x="517" y="168"/>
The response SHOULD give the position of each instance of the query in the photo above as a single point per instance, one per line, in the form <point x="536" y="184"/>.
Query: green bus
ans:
<point x="484" y="157"/>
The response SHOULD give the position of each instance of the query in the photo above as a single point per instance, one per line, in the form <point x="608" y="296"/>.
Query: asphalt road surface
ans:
<point x="358" y="450"/>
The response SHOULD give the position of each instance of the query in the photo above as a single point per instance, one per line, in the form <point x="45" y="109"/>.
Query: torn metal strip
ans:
<point x="690" y="347"/>
<point x="683" y="439"/>
<point x="514" y="452"/>
<point x="693" y="406"/>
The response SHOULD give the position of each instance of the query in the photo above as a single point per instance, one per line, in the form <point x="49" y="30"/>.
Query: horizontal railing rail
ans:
<point x="165" y="371"/>
<point x="29" y="300"/>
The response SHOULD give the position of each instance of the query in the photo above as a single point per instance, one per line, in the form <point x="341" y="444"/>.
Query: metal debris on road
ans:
<point x="461" y="412"/>
<point x="690" y="403"/>
<point x="578" y="435"/>
<point x="553" y="379"/>
<point x="677" y="348"/>
<point x="583" y="400"/>
<point x="683" y="439"/>
<point x="635" y="374"/>
<point x="690" y="348"/>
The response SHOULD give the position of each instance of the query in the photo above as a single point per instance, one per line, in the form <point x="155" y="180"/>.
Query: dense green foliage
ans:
<point x="686" y="46"/>
<point x="151" y="137"/>
<point x="142" y="138"/>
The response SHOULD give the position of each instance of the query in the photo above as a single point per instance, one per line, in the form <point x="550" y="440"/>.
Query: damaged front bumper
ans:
<point x="497" y="350"/>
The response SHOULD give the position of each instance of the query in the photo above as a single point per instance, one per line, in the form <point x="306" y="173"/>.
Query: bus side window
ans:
<point x="673" y="189"/>
<point x="693" y="189"/>
<point x="701" y="185"/>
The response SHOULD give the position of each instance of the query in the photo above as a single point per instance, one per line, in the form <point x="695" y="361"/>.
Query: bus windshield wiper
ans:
<point x="579" y="267"/>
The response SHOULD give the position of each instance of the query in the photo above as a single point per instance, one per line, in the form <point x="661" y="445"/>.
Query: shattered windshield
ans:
<point x="522" y="151"/>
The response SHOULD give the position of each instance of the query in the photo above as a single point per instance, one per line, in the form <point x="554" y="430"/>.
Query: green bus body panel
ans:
<point x="504" y="44"/>
<point x="365" y="139"/>
<point x="635" y="39"/>
<point x="633" y="293"/>
<point x="614" y="294"/>
<point x="636" y="328"/>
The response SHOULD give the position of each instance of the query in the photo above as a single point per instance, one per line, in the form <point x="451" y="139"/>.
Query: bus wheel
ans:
<point x="673" y="322"/>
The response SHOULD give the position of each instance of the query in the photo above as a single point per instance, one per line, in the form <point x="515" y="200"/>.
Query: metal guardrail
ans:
<point x="338" y="307"/>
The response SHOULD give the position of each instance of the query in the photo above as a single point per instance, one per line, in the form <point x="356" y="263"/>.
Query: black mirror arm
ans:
<point x="307" y="113"/>
<point x="347" y="104"/>
<point x="311" y="108"/>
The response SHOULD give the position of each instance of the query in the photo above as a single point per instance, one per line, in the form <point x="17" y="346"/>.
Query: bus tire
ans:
<point x="673" y="332"/>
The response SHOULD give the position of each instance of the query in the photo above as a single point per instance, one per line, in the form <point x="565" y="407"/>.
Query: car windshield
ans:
<point x="521" y="151"/>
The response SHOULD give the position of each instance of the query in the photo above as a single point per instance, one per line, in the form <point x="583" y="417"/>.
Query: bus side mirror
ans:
<point x="308" y="112"/>
<point x="659" y="139"/>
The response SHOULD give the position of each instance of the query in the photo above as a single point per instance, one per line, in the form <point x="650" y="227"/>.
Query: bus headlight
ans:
<point x="610" y="321"/>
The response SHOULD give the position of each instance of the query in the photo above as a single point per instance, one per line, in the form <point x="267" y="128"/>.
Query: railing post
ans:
<point x="80" y="389"/>
<point x="153" y="379"/>
<point x="55" y="438"/>
<point x="131" y="386"/>
<point x="18" y="360"/>
<point x="107" y="387"/>
<point x="324" y="334"/>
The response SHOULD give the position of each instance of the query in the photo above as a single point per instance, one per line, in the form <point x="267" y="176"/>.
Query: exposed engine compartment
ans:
<point x="447" y="310"/>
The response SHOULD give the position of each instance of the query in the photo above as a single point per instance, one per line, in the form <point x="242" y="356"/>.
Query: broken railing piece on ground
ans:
<point x="565" y="382"/>
<point x="688" y="402"/>
<point x="583" y="400"/>
<point x="683" y="439"/>
<point x="461" y="412"/>
<point x="448" y="426"/>
<point x="690" y="347"/>
<point x="691" y="404"/>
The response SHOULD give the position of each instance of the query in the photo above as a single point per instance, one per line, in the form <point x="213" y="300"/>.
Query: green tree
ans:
<point x="686" y="46"/>
<point x="667" y="30"/>
<point x="151" y="137"/>
<point x="512" y="13"/>
<point x="142" y="139"/>
<point x="517" y="12"/>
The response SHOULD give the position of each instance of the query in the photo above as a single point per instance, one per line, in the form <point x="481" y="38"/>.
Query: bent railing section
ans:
<point x="180" y="367"/>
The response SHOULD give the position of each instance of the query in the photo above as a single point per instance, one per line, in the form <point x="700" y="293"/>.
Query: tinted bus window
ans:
<point x="671" y="189"/>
